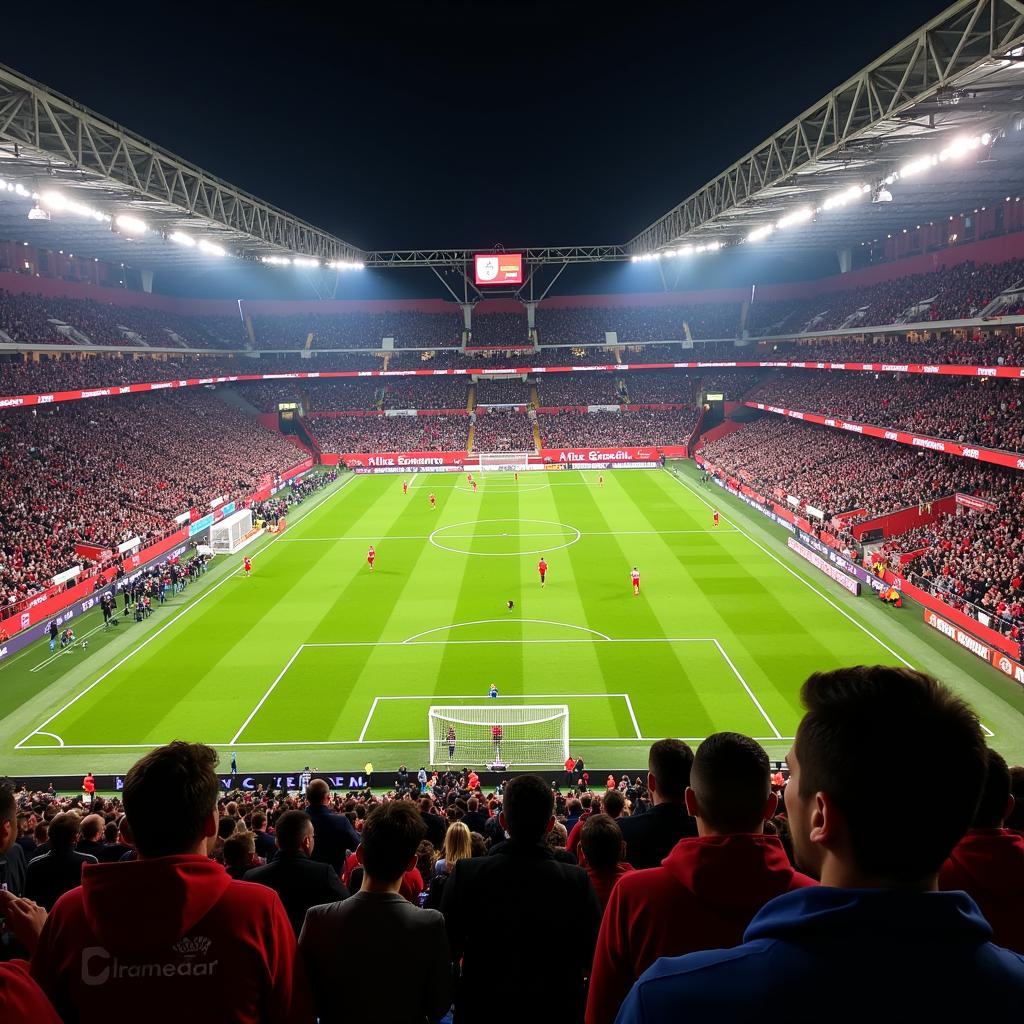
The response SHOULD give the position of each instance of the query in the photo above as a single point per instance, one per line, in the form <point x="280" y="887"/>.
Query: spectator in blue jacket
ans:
<point x="876" y="940"/>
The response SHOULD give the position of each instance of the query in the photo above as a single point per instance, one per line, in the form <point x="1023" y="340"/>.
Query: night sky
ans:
<point x="458" y="124"/>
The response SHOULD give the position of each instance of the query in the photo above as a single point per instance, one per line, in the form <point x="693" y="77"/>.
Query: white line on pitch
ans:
<point x="168" y="624"/>
<point x="629" y="708"/>
<point x="66" y="650"/>
<point x="584" y="640"/>
<point x="270" y="690"/>
<point x="369" y="715"/>
<point x="794" y="573"/>
<point x="499" y="700"/>
<point x="378" y="539"/>
<point x="750" y="693"/>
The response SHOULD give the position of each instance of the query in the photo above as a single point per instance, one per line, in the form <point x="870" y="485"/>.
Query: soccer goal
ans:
<point x="233" y="533"/>
<point x="504" y="462"/>
<point x="499" y="734"/>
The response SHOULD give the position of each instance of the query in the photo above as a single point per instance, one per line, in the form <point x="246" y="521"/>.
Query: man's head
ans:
<point x="613" y="803"/>
<point x="668" y="775"/>
<point x="64" y="831"/>
<point x="239" y="849"/>
<point x="259" y="821"/>
<point x="170" y="799"/>
<point x="915" y="731"/>
<point x="92" y="828"/>
<point x="294" y="833"/>
<point x="730" y="786"/>
<point x="318" y="792"/>
<point x="527" y="809"/>
<point x="602" y="842"/>
<point x="390" y="838"/>
<point x="996" y="802"/>
<point x="8" y="819"/>
<point x="1015" y="819"/>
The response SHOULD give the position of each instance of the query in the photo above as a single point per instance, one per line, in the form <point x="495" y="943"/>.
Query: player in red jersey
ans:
<point x="433" y="500"/>
<point x="370" y="556"/>
<point x="474" y="487"/>
<point x="247" y="566"/>
<point x="542" y="568"/>
<point x="405" y="486"/>
<point x="517" y="477"/>
<point x="469" y="478"/>
<point x="715" y="516"/>
<point x="635" y="577"/>
<point x="600" y="480"/>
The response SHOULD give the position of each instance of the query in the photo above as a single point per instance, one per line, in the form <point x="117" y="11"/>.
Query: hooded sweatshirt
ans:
<point x="703" y="896"/>
<point x="167" y="939"/>
<point x="843" y="955"/>
<point x="988" y="864"/>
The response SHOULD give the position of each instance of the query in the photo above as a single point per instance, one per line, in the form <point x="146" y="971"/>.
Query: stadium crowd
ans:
<point x="956" y="292"/>
<point x="588" y="324"/>
<point x="409" y="328"/>
<point x="971" y="411"/>
<point x="103" y="472"/>
<point x="502" y="391"/>
<point x="503" y="430"/>
<point x="580" y="389"/>
<point x="713" y="883"/>
<point x="439" y="432"/>
<point x="631" y="427"/>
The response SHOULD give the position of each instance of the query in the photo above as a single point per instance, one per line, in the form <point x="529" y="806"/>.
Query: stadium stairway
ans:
<point x="471" y="399"/>
<point x="234" y="397"/>
<point x="537" y="442"/>
<point x="470" y="439"/>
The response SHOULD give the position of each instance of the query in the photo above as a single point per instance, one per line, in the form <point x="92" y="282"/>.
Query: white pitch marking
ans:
<point x="750" y="693"/>
<point x="66" y="650"/>
<point x="481" y="622"/>
<point x="794" y="573"/>
<point x="270" y="690"/>
<point x="471" y="536"/>
<point x="52" y="735"/>
<point x="170" y="622"/>
<point x="369" y="715"/>
<point x="629" y="708"/>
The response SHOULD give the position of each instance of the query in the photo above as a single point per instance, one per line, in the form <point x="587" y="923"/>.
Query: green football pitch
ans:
<point x="316" y="660"/>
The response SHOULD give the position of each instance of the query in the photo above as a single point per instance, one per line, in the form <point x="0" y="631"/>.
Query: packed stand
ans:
<point x="502" y="391"/>
<point x="410" y="329"/>
<point x="426" y="393"/>
<point x="588" y="324"/>
<point x="577" y="389"/>
<point x="342" y="434"/>
<point x="503" y="430"/>
<point x="958" y="292"/>
<point x="985" y="412"/>
<point x="499" y="329"/>
<point x="632" y="427"/>
<point x="104" y="472"/>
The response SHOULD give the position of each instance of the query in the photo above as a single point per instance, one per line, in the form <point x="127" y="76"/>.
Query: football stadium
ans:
<point x="360" y="603"/>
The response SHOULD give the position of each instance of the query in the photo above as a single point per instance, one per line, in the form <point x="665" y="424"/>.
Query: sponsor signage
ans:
<point x="765" y="511"/>
<point x="975" y="504"/>
<point x="1009" y="667"/>
<point x="992" y="455"/>
<point x="852" y="585"/>
<point x="960" y="636"/>
<point x="840" y="561"/>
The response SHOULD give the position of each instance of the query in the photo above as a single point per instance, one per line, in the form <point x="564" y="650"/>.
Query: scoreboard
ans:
<point x="498" y="268"/>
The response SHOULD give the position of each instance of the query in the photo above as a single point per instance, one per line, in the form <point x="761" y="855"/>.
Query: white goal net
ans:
<point x="504" y="462"/>
<point x="499" y="734"/>
<point x="232" y="533"/>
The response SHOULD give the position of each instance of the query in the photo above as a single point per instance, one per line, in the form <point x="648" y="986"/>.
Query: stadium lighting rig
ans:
<point x="682" y="251"/>
<point x="308" y="262"/>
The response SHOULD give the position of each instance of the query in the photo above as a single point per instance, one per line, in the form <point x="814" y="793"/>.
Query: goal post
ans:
<point x="504" y="462"/>
<point x="499" y="734"/>
<point x="233" y="532"/>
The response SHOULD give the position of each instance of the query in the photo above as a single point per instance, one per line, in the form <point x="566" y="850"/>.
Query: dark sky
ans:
<point x="458" y="124"/>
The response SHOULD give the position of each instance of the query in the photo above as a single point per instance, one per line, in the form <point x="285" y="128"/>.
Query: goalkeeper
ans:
<point x="496" y="737"/>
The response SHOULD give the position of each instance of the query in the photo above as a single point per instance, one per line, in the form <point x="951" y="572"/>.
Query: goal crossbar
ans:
<point x="499" y="732"/>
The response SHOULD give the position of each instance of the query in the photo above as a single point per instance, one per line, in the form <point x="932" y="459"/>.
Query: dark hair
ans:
<point x="992" y="806"/>
<point x="1016" y="818"/>
<point x="317" y="792"/>
<point x="527" y="806"/>
<point x="670" y="762"/>
<point x="391" y="836"/>
<point x="258" y="820"/>
<point x="64" y="830"/>
<point x="613" y="802"/>
<point x="226" y="828"/>
<point x="910" y="723"/>
<point x="8" y="805"/>
<point x="237" y="849"/>
<point x="601" y="840"/>
<point x="168" y="795"/>
<point x="731" y="778"/>
<point x="291" y="829"/>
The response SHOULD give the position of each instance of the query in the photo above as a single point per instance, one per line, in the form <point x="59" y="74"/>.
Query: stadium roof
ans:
<point x="54" y="148"/>
<point x="931" y="128"/>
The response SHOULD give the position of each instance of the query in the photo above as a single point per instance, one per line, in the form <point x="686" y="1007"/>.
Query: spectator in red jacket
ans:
<point x="988" y="863"/>
<point x="223" y="949"/>
<point x="604" y="854"/>
<point x="707" y="889"/>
